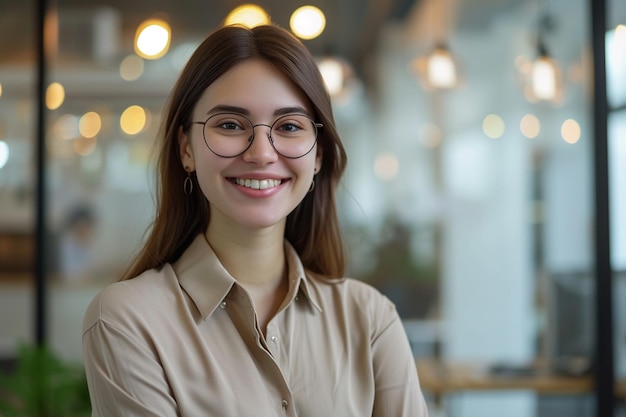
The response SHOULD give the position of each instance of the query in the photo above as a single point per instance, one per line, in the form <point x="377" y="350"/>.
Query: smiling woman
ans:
<point x="239" y="291"/>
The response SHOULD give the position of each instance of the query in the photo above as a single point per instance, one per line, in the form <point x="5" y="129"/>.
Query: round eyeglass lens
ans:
<point x="293" y="135"/>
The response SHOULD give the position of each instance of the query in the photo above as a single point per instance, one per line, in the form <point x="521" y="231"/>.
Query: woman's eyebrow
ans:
<point x="288" y="110"/>
<point x="227" y="108"/>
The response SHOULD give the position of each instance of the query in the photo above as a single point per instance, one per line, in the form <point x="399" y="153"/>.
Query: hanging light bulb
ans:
<point x="438" y="69"/>
<point x="542" y="77"/>
<point x="545" y="76"/>
<point x="441" y="68"/>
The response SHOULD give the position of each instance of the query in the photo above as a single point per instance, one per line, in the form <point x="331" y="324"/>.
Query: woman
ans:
<point x="237" y="305"/>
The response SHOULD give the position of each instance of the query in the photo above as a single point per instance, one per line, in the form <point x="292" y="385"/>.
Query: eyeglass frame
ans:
<point x="316" y="125"/>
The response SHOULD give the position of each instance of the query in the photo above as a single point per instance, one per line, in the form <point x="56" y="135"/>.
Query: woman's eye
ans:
<point x="290" y="127"/>
<point x="230" y="126"/>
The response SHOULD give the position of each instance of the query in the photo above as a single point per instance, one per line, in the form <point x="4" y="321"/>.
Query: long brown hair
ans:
<point x="313" y="227"/>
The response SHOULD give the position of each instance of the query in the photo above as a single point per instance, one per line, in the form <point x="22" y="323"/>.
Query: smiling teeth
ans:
<point x="257" y="184"/>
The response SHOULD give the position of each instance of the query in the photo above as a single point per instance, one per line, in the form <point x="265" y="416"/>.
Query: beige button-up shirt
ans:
<point x="183" y="341"/>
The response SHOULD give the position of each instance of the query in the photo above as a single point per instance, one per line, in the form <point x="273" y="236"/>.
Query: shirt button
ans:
<point x="284" y="405"/>
<point x="274" y="339"/>
<point x="297" y="298"/>
<point x="223" y="305"/>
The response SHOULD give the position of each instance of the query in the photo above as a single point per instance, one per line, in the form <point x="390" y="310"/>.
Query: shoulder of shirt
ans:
<point x="123" y="301"/>
<point x="350" y="289"/>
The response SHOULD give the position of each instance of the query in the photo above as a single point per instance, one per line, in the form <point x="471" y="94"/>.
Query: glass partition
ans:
<point x="616" y="86"/>
<point x="17" y="178"/>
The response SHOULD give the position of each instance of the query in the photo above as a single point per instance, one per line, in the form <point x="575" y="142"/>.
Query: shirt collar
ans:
<point x="207" y="282"/>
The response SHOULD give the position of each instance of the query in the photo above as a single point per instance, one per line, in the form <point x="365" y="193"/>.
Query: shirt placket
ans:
<point x="268" y="353"/>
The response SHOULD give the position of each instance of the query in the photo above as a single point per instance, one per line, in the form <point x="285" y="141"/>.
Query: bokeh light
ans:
<point x="85" y="146"/>
<point x="493" y="126"/>
<point x="133" y="120"/>
<point x="131" y="68"/>
<point x="90" y="124"/>
<point x="530" y="126"/>
<point x="570" y="131"/>
<point x="152" y="39"/>
<point x="249" y="15"/>
<point x="386" y="166"/>
<point x="429" y="135"/>
<point x="307" y="22"/>
<point x="66" y="127"/>
<point x="55" y="96"/>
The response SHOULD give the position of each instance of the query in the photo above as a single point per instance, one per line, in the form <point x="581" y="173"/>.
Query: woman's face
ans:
<point x="258" y="188"/>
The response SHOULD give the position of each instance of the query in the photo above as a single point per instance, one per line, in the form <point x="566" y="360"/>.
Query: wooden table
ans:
<point x="441" y="378"/>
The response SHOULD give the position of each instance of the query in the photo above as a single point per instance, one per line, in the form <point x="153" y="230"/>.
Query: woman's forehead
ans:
<point x="256" y="85"/>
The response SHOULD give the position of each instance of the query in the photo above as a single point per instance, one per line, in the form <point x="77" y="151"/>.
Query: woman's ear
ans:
<point x="186" y="150"/>
<point x="318" y="160"/>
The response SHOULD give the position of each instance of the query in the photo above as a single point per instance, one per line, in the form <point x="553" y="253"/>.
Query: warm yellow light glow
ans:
<point x="545" y="79"/>
<point x="429" y="135"/>
<point x="570" y="131"/>
<point x="55" y="96"/>
<point x="85" y="146"/>
<point x="386" y="166"/>
<point x="0" y="89"/>
<point x="333" y="73"/>
<point x="493" y="126"/>
<point x="133" y="120"/>
<point x="437" y="70"/>
<point x="131" y="68"/>
<point x="90" y="124"/>
<point x="441" y="70"/>
<point x="66" y="127"/>
<point x="530" y="126"/>
<point x="152" y="39"/>
<point x="4" y="153"/>
<point x="249" y="15"/>
<point x="307" y="22"/>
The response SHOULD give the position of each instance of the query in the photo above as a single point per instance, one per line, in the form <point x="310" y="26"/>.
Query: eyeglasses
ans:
<point x="230" y="134"/>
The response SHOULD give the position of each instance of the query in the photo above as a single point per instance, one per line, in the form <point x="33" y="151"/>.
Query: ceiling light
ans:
<point x="438" y="69"/>
<point x="152" y="39"/>
<point x="249" y="15"/>
<point x="307" y="22"/>
<point x="338" y="76"/>
<point x="545" y="76"/>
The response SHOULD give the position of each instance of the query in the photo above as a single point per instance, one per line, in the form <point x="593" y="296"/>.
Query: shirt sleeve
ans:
<point x="124" y="376"/>
<point x="397" y="388"/>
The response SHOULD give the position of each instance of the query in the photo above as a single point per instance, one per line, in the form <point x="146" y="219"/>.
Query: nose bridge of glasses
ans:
<point x="269" y="128"/>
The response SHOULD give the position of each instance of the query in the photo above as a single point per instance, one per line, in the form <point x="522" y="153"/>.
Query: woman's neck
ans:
<point x="254" y="258"/>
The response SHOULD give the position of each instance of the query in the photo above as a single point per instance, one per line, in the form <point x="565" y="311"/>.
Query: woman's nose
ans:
<point x="261" y="150"/>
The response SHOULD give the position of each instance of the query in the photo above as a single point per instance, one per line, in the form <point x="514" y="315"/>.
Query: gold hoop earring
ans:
<point x="188" y="184"/>
<point x="312" y="187"/>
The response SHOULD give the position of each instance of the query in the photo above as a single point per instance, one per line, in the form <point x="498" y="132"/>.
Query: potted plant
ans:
<point x="43" y="385"/>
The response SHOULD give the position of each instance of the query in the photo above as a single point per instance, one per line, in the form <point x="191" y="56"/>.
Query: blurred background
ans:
<point x="469" y="197"/>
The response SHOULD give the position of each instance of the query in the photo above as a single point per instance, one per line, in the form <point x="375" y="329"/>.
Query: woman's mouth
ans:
<point x="257" y="184"/>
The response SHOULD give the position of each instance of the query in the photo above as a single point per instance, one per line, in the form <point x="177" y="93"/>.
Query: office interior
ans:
<point x="470" y="198"/>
